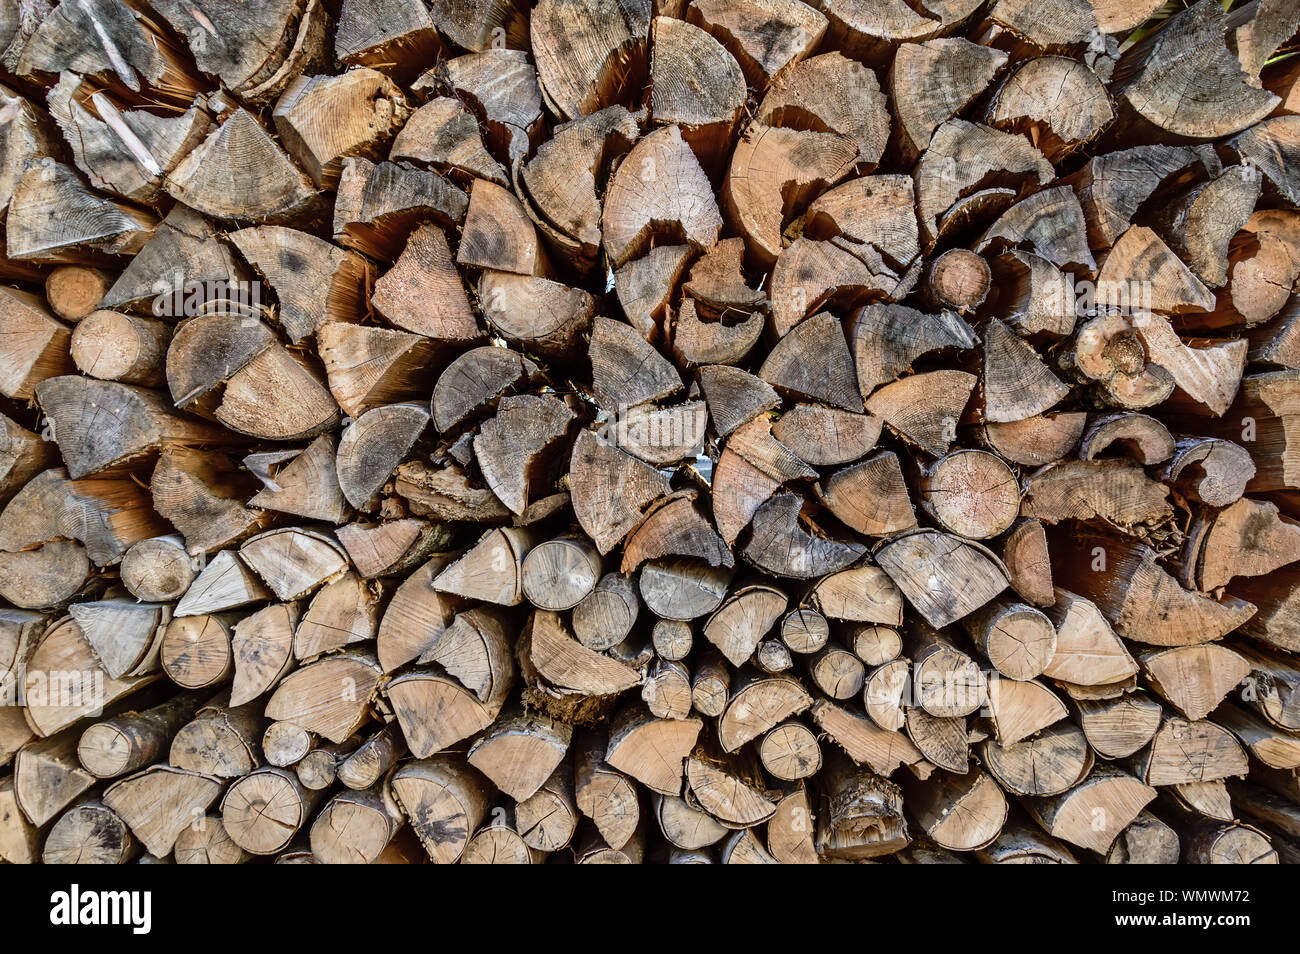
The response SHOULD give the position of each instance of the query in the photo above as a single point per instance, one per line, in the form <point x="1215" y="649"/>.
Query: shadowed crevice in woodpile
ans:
<point x="777" y="432"/>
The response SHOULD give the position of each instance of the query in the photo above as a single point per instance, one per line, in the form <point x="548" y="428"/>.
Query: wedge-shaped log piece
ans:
<point x="958" y="812"/>
<point x="925" y="408"/>
<point x="870" y="496"/>
<point x="1059" y="102"/>
<point x="727" y="797"/>
<point x="378" y="206"/>
<point x="1183" y="81"/>
<point x="520" y="752"/>
<point x="1194" y="679"/>
<point x="660" y="189"/>
<point x="1049" y="763"/>
<point x="582" y="51"/>
<point x="863" y="741"/>
<point x="330" y="697"/>
<point x="652" y="751"/>
<point x="444" y="134"/>
<point x="293" y="560"/>
<point x="225" y="583"/>
<point x="46" y="779"/>
<point x="373" y="445"/>
<point x="757" y="703"/>
<point x="705" y="110"/>
<point x="541" y="316"/>
<point x="54" y="216"/>
<point x="365" y="108"/>
<point x="774" y="174"/>
<point x="513" y="448"/>
<point x="1088" y="653"/>
<point x="1117" y="728"/>
<point x="76" y="683"/>
<point x="1248" y="538"/>
<point x="303" y="483"/>
<point x="887" y="340"/>
<point x="1092" y="814"/>
<point x="344" y="611"/>
<point x="423" y="293"/>
<point x="747" y="615"/>
<point x="239" y="172"/>
<point x="36" y="344"/>
<point x="201" y="494"/>
<point x="674" y="526"/>
<point x="252" y="401"/>
<point x="388" y="35"/>
<point x="944" y="577"/>
<point x="315" y="282"/>
<point x="491" y="570"/>
<point x="1140" y="599"/>
<point x="831" y="93"/>
<point x="474" y="381"/>
<point x="781" y="546"/>
<point x="416" y="616"/>
<point x="160" y="802"/>
<point x="142" y="422"/>
<point x="435" y="711"/>
<point x="124" y="635"/>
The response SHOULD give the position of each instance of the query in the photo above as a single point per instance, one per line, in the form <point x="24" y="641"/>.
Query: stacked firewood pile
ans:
<point x="740" y="431"/>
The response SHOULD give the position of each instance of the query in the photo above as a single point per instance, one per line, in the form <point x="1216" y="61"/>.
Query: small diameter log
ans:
<point x="672" y="639"/>
<point x="265" y="809"/>
<point x="605" y="616"/>
<point x="370" y="761"/>
<point x="601" y="792"/>
<point x="74" y="291"/>
<point x="196" y="651"/>
<point x="285" y="744"/>
<point x="559" y="574"/>
<point x="1233" y="844"/>
<point x="711" y="684"/>
<point x="114" y="346"/>
<point x="804" y="630"/>
<point x="837" y="672"/>
<point x="790" y="752"/>
<point x="157" y="570"/>
<point x="948" y="682"/>
<point x="1146" y="841"/>
<point x="959" y="280"/>
<point x="134" y="739"/>
<point x="498" y="843"/>
<point x="972" y="493"/>
<point x="667" y="690"/>
<point x="1017" y="639"/>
